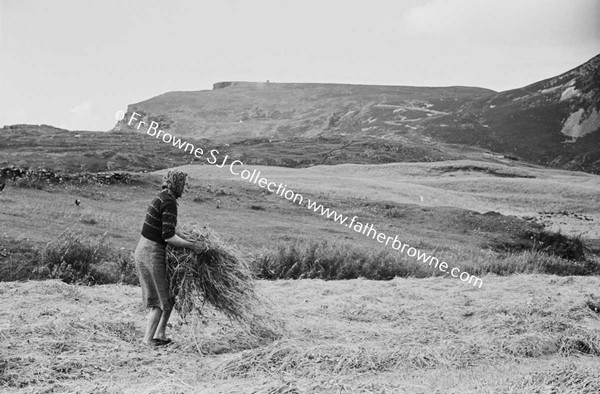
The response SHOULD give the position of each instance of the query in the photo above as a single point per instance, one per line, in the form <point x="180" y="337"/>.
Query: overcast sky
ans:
<point x="74" y="63"/>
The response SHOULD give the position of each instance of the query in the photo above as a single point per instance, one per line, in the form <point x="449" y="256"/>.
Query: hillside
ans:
<point x="299" y="125"/>
<point x="237" y="111"/>
<point x="45" y="146"/>
<point x="552" y="122"/>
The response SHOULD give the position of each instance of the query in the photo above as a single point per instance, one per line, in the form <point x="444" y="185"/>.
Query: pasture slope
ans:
<point x="526" y="333"/>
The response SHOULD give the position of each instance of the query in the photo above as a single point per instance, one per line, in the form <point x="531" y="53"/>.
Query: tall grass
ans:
<point x="73" y="258"/>
<point x="552" y="243"/>
<point x="28" y="183"/>
<point x="321" y="259"/>
<point x="18" y="259"/>
<point x="315" y="259"/>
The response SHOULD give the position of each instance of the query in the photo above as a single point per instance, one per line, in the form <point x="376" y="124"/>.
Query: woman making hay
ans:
<point x="150" y="259"/>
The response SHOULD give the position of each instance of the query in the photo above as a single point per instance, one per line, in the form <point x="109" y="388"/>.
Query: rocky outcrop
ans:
<point x="51" y="176"/>
<point x="222" y="85"/>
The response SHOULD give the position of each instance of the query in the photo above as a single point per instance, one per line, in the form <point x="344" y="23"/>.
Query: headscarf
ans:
<point x="174" y="182"/>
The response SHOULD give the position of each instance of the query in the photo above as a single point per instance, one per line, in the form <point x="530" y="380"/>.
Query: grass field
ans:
<point x="524" y="334"/>
<point x="518" y="333"/>
<point x="350" y="189"/>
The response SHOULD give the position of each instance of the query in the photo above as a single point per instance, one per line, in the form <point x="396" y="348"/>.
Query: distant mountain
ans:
<point x="553" y="122"/>
<point x="293" y="124"/>
<point x="235" y="111"/>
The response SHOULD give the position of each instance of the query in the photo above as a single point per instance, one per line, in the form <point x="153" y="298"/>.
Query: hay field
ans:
<point x="520" y="334"/>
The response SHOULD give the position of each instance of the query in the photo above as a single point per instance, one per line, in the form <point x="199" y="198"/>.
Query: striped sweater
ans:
<point x="161" y="218"/>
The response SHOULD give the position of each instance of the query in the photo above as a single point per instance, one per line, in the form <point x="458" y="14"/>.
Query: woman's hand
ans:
<point x="176" y="240"/>
<point x="196" y="246"/>
<point x="199" y="246"/>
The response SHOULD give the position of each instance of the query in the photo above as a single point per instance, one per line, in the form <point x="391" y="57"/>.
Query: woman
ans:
<point x="150" y="260"/>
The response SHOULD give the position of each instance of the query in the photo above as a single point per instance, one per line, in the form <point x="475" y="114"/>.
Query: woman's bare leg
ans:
<point x="162" y="325"/>
<point x="154" y="317"/>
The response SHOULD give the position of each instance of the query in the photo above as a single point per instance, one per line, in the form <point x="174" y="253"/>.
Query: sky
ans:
<point x="74" y="63"/>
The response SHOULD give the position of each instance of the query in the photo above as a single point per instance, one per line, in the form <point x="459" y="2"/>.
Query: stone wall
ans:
<point x="51" y="176"/>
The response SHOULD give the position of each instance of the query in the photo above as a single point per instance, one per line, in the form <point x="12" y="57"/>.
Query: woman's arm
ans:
<point x="176" y="240"/>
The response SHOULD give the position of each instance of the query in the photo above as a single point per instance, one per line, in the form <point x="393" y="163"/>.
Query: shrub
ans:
<point x="395" y="213"/>
<point x="531" y="262"/>
<point x="120" y="269"/>
<point x="570" y="248"/>
<point x="74" y="259"/>
<point x="551" y="243"/>
<point x="127" y="269"/>
<point x="89" y="219"/>
<point x="30" y="183"/>
<point x="18" y="258"/>
<point x="323" y="260"/>
<point x="200" y="198"/>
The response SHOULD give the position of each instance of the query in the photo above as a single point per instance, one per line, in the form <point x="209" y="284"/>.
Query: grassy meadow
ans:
<point x="525" y="330"/>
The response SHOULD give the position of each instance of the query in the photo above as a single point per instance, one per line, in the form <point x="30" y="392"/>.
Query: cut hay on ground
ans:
<point x="219" y="276"/>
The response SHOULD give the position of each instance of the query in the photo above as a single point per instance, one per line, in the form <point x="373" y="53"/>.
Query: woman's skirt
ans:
<point x="151" y="265"/>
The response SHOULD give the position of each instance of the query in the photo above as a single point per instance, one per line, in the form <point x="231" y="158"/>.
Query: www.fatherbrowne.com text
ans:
<point x="254" y="176"/>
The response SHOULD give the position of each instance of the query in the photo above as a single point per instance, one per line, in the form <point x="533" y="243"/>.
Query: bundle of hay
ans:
<point x="219" y="276"/>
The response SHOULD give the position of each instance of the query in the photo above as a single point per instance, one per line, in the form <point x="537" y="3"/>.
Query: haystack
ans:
<point x="218" y="276"/>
